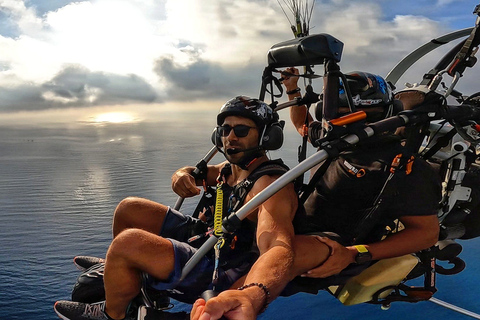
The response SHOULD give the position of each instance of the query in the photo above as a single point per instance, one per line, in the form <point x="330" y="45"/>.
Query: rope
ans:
<point x="455" y="308"/>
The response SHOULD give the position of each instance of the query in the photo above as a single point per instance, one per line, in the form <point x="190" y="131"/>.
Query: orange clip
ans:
<point x="408" y="167"/>
<point x="396" y="163"/>
<point x="304" y="130"/>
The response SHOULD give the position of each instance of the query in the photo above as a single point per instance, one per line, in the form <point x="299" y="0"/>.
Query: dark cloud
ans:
<point x="192" y="77"/>
<point x="76" y="86"/>
<point x="201" y="79"/>
<point x="21" y="98"/>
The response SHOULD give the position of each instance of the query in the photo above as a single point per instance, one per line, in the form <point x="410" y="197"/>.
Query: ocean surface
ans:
<point x="60" y="185"/>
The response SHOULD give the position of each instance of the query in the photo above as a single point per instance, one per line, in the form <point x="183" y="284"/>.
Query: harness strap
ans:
<point x="272" y="167"/>
<point x="308" y="189"/>
<point x="401" y="163"/>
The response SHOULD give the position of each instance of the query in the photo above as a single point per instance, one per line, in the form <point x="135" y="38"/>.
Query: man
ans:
<point x="326" y="252"/>
<point x="348" y="189"/>
<point x="152" y="238"/>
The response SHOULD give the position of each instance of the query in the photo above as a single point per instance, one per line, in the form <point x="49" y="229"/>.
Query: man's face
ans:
<point x="232" y="142"/>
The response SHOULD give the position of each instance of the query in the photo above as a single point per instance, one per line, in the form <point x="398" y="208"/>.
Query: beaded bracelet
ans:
<point x="265" y="290"/>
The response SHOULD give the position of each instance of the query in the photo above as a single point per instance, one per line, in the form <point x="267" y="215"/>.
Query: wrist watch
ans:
<point x="363" y="255"/>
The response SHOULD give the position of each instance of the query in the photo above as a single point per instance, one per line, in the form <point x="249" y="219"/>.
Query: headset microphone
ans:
<point x="230" y="152"/>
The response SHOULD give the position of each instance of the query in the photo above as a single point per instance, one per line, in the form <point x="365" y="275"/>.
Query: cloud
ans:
<point x="95" y="52"/>
<point x="76" y="86"/>
<point x="192" y="77"/>
<point x="24" y="18"/>
<point x="371" y="44"/>
<point x="203" y="80"/>
<point x="445" y="2"/>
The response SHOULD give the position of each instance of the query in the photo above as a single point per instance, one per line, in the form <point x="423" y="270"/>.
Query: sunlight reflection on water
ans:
<point x="61" y="185"/>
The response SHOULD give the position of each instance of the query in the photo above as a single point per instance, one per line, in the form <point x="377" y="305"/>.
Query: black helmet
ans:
<point x="251" y="108"/>
<point x="266" y="119"/>
<point x="368" y="91"/>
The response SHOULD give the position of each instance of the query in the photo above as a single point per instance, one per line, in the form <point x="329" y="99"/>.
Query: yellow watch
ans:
<point x="363" y="255"/>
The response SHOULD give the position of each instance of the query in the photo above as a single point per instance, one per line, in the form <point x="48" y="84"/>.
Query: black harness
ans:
<point x="237" y="194"/>
<point x="240" y="244"/>
<point x="240" y="191"/>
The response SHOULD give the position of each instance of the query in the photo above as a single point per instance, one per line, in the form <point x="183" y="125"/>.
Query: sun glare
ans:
<point x="114" y="117"/>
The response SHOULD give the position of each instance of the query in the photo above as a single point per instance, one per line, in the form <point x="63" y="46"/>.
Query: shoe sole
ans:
<point x="79" y="267"/>
<point x="61" y="316"/>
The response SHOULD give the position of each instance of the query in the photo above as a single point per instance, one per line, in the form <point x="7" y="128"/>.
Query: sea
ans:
<point x="60" y="184"/>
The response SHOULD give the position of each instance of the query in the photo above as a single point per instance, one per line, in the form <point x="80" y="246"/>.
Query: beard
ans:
<point x="242" y="157"/>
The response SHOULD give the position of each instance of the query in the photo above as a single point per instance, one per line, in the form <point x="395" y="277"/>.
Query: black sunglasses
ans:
<point x="240" y="130"/>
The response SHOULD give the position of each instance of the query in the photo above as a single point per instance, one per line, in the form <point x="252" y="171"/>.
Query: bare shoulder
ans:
<point x="263" y="182"/>
<point x="218" y="166"/>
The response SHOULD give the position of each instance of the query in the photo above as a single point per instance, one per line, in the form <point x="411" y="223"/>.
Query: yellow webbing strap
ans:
<point x="217" y="219"/>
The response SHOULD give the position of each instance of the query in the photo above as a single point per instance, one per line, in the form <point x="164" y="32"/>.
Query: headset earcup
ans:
<point x="318" y="110"/>
<point x="273" y="138"/>
<point x="216" y="139"/>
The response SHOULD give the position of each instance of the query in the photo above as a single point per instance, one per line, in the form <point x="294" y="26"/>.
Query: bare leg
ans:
<point x="138" y="213"/>
<point x="309" y="253"/>
<point x="132" y="252"/>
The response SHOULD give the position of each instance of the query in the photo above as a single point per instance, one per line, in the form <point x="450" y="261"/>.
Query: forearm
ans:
<point x="401" y="243"/>
<point x="274" y="269"/>
<point x="298" y="114"/>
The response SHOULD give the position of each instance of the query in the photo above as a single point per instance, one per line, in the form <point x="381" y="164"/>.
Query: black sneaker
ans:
<point x="85" y="262"/>
<point x="69" y="310"/>
<point x="89" y="286"/>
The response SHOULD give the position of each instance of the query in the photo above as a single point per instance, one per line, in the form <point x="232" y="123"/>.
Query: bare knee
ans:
<point x="126" y="207"/>
<point x="134" y="212"/>
<point x="141" y="250"/>
<point x="125" y="244"/>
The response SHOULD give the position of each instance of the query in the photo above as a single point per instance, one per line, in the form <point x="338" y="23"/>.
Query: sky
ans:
<point x="141" y="56"/>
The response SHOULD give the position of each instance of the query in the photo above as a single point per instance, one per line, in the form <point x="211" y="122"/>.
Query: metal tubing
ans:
<point x="414" y="56"/>
<point x="287" y="104"/>
<point x="202" y="251"/>
<point x="207" y="159"/>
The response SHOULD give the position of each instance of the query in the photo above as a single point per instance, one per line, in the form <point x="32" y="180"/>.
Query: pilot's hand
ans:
<point x="340" y="257"/>
<point x="183" y="183"/>
<point x="290" y="81"/>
